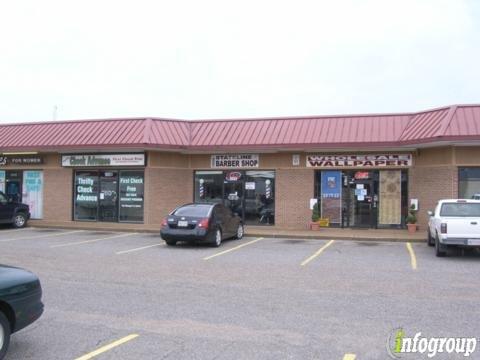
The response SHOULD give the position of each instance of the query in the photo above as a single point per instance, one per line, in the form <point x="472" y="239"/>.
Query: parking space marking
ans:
<point x="137" y="249"/>
<point x="349" y="357"/>
<point x="91" y="240"/>
<point x="107" y="347"/>
<point x="12" y="230"/>
<point x="232" y="249"/>
<point x="413" y="258"/>
<point x="42" y="236"/>
<point x="306" y="261"/>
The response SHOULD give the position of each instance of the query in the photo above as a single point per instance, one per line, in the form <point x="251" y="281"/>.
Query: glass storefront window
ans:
<point x="32" y="193"/>
<point x="468" y="183"/>
<point x="209" y="186"/>
<point x="86" y="195"/>
<point x="131" y="196"/>
<point x="368" y="198"/>
<point x="251" y="194"/>
<point x="109" y="195"/>
<point x="259" y="197"/>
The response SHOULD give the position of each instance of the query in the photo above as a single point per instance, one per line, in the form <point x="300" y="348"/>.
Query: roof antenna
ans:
<point x="54" y="114"/>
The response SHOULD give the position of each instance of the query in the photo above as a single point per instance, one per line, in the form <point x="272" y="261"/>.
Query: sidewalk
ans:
<point x="257" y="231"/>
<point x="338" y="234"/>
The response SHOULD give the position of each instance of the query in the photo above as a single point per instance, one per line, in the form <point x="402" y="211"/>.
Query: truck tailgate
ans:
<point x="463" y="227"/>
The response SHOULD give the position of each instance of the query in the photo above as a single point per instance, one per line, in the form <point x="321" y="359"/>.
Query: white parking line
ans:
<point x="12" y="230"/>
<point x="232" y="249"/>
<point x="306" y="261"/>
<point x="137" y="249"/>
<point x="91" y="240"/>
<point x="42" y="236"/>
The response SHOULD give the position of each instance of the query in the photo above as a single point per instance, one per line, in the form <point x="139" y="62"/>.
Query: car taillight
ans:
<point x="443" y="228"/>
<point x="164" y="223"/>
<point x="203" y="223"/>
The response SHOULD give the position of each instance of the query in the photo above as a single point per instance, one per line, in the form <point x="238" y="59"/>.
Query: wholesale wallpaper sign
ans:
<point x="103" y="160"/>
<point x="235" y="161"/>
<point x="359" y="161"/>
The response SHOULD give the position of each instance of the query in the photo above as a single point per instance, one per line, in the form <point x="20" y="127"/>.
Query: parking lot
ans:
<point x="113" y="295"/>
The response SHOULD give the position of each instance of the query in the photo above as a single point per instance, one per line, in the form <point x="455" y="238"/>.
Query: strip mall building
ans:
<point x="365" y="170"/>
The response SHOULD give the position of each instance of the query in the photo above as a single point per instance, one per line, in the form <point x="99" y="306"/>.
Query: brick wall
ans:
<point x="294" y="188"/>
<point x="430" y="184"/>
<point x="166" y="188"/>
<point x="57" y="194"/>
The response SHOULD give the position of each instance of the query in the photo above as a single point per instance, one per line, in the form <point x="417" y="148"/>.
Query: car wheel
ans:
<point x="4" y="335"/>
<point x="430" y="239"/>
<point x="19" y="221"/>
<point x="171" y="242"/>
<point x="218" y="238"/>
<point x="239" y="232"/>
<point x="440" y="250"/>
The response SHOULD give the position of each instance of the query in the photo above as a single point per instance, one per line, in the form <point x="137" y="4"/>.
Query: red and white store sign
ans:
<point x="233" y="176"/>
<point x="359" y="161"/>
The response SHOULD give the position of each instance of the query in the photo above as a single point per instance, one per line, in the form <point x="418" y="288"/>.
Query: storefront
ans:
<point x="23" y="185"/>
<point x="364" y="171"/>
<point x="249" y="193"/>
<point x="372" y="193"/>
<point x="107" y="190"/>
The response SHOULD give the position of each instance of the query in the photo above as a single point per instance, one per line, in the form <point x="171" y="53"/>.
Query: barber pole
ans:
<point x="268" y="189"/>
<point x="202" y="189"/>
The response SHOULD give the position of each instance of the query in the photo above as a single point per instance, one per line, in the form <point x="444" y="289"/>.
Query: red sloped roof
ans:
<point x="449" y="123"/>
<point x="299" y="131"/>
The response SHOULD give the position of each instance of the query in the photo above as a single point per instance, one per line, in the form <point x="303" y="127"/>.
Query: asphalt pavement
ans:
<point x="112" y="295"/>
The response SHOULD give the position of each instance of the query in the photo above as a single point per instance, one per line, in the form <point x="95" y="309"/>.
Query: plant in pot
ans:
<point x="314" y="225"/>
<point x="411" y="220"/>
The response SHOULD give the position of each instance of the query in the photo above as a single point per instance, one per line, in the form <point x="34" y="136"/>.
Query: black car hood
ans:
<point x="16" y="279"/>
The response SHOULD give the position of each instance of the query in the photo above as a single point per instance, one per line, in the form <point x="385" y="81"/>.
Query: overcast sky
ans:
<point x="230" y="59"/>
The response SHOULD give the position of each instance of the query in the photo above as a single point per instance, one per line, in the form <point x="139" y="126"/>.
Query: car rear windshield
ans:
<point x="460" y="209"/>
<point x="194" y="211"/>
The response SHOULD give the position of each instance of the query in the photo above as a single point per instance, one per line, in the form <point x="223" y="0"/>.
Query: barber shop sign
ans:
<point x="235" y="161"/>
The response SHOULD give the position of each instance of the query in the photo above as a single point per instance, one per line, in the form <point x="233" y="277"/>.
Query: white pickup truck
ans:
<point x="455" y="222"/>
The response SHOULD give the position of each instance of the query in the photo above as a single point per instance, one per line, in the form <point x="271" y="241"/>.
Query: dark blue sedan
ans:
<point x="20" y="302"/>
<point x="201" y="223"/>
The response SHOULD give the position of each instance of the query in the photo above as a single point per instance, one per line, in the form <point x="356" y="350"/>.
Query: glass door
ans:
<point x="108" y="197"/>
<point x="233" y="195"/>
<point x="360" y="199"/>
<point x="363" y="204"/>
<point x="13" y="188"/>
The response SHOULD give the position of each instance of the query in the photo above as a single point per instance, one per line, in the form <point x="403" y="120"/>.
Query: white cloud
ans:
<point x="208" y="59"/>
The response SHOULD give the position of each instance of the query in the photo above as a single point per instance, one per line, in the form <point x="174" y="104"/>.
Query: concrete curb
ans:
<point x="248" y="233"/>
<point x="335" y="237"/>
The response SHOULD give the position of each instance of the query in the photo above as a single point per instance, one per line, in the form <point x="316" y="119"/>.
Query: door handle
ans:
<point x="473" y="223"/>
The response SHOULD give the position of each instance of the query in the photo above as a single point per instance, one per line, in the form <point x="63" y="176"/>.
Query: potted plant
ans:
<point x="411" y="220"/>
<point x="314" y="225"/>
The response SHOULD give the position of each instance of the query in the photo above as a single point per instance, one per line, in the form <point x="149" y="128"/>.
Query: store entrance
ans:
<point x="233" y="196"/>
<point x="250" y="193"/>
<point x="108" y="197"/>
<point x="13" y="186"/>
<point x="360" y="199"/>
